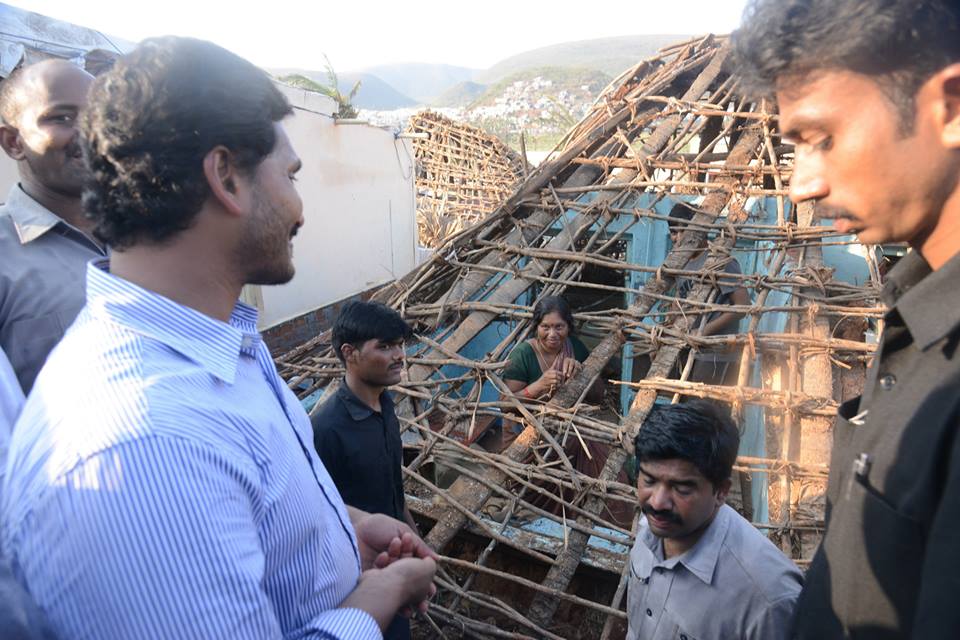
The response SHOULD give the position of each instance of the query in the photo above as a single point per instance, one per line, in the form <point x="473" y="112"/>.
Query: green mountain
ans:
<point x="583" y="83"/>
<point x="460" y="94"/>
<point x="609" y="55"/>
<point x="395" y="86"/>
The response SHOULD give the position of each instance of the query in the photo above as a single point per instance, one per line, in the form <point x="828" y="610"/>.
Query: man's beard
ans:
<point x="264" y="251"/>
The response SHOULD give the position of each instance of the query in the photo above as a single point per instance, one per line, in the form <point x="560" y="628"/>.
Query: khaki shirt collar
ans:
<point x="30" y="218"/>
<point x="701" y="560"/>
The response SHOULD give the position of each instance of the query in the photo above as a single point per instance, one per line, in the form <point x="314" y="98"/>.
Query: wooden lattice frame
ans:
<point x="463" y="174"/>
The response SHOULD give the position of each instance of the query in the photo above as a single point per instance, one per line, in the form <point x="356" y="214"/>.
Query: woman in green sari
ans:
<point x="540" y="365"/>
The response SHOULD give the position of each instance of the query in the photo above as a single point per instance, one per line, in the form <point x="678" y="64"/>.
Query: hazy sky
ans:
<point x="364" y="33"/>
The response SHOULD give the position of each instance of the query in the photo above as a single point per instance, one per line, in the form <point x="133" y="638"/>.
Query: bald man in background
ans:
<point x="45" y="240"/>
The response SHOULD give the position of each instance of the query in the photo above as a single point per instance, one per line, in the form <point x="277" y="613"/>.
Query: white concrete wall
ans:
<point x="360" y="231"/>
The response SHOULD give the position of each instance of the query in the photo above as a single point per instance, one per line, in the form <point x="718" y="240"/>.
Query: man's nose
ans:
<point x="808" y="181"/>
<point x="660" y="499"/>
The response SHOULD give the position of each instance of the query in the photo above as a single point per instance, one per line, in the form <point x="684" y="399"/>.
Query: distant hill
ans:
<point x="422" y="82"/>
<point x="609" y="55"/>
<point x="374" y="92"/>
<point x="396" y="86"/>
<point x="586" y="82"/>
<point x="460" y="95"/>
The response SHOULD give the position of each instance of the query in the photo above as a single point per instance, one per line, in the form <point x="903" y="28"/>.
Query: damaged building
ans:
<point x="534" y="536"/>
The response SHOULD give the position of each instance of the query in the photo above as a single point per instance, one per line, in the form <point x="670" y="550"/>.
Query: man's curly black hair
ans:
<point x="149" y="124"/>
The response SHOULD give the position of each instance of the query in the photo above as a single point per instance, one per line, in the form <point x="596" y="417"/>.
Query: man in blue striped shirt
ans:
<point x="161" y="480"/>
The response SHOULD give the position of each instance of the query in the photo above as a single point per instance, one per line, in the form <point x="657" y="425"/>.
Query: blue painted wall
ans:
<point x="648" y="244"/>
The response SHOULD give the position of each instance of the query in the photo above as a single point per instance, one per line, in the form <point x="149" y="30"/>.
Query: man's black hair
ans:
<point x="553" y="304"/>
<point x="900" y="43"/>
<point x="680" y="214"/>
<point x="360" y="321"/>
<point x="699" y="431"/>
<point x="149" y="124"/>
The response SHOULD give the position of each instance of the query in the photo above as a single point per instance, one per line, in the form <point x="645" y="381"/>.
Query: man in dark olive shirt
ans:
<point x="869" y="93"/>
<point x="356" y="432"/>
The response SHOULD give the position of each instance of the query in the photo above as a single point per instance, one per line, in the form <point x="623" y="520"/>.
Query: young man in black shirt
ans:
<point x="356" y="432"/>
<point x="869" y="93"/>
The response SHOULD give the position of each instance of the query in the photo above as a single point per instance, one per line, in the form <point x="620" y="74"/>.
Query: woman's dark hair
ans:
<point x="698" y="431"/>
<point x="149" y="124"/>
<point x="553" y="304"/>
<point x="361" y="321"/>
<point x="901" y="43"/>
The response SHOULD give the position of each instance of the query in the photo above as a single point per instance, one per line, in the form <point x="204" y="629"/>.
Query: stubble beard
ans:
<point x="264" y="253"/>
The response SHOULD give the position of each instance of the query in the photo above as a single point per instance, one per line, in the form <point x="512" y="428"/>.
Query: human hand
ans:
<point x="401" y="588"/>
<point x="410" y="580"/>
<point x="548" y="382"/>
<point x="570" y="368"/>
<point x="384" y="540"/>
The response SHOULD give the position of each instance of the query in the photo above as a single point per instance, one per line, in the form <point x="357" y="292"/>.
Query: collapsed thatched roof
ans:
<point x="463" y="173"/>
<point x="590" y="223"/>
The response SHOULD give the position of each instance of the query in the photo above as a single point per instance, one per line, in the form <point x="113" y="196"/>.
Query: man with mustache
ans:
<point x="356" y="432"/>
<point x="869" y="93"/>
<point x="45" y="240"/>
<point x="698" y="570"/>
<point x="162" y="480"/>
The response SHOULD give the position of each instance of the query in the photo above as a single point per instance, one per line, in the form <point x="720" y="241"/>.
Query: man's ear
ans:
<point x="348" y="351"/>
<point x="723" y="491"/>
<point x="11" y="142"/>
<point x="948" y="86"/>
<point x="228" y="185"/>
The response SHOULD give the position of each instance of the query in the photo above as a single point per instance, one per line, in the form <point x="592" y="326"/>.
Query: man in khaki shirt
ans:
<point x="698" y="570"/>
<point x="45" y="240"/>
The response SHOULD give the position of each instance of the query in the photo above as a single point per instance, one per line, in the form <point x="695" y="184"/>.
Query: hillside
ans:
<point x="459" y="95"/>
<point x="422" y="82"/>
<point x="581" y="84"/>
<point x="541" y="103"/>
<point x="609" y="55"/>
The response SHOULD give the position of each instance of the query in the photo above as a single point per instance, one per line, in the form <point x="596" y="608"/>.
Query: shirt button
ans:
<point x="649" y="613"/>
<point x="887" y="381"/>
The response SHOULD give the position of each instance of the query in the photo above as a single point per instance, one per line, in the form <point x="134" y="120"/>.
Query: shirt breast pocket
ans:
<point x="669" y="630"/>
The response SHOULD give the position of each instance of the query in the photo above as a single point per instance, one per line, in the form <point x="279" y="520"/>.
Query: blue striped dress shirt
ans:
<point x="162" y="483"/>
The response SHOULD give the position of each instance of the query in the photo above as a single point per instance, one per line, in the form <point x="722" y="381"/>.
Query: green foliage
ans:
<point x="345" y="108"/>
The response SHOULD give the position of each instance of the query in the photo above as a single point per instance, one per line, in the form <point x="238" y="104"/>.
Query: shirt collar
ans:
<point x="30" y="218"/>
<point x="214" y="345"/>
<point x="928" y="301"/>
<point x="701" y="560"/>
<point x="357" y="408"/>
